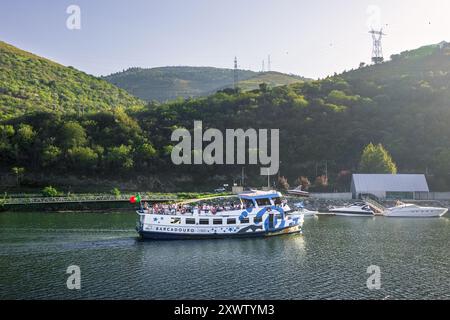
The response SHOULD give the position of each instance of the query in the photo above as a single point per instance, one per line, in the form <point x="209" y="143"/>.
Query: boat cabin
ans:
<point x="260" y="199"/>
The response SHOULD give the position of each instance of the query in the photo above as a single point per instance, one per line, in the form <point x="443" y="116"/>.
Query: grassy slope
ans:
<point x="273" y="79"/>
<point x="168" y="83"/>
<point x="29" y="83"/>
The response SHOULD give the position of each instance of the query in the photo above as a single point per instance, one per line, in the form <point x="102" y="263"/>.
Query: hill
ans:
<point x="32" y="83"/>
<point x="168" y="83"/>
<point x="404" y="104"/>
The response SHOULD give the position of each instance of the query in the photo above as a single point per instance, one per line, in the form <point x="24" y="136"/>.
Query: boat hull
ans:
<point x="354" y="210"/>
<point x="432" y="213"/>
<point x="352" y="214"/>
<point x="155" y="235"/>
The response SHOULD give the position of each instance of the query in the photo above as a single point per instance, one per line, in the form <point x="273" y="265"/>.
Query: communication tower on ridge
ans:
<point x="377" y="50"/>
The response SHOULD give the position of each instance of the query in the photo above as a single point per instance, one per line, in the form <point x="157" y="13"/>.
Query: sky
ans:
<point x="309" y="38"/>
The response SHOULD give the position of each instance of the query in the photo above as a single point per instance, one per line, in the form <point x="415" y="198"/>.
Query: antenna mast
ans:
<point x="235" y="73"/>
<point x="377" y="50"/>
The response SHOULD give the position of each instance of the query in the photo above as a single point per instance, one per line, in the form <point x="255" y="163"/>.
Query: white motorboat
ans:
<point x="358" y="209"/>
<point x="304" y="211"/>
<point x="298" y="192"/>
<point x="414" y="211"/>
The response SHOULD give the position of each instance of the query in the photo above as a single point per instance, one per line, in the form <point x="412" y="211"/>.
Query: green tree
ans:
<point x="18" y="172"/>
<point x="6" y="147"/>
<point x="147" y="151"/>
<point x="83" y="157"/>
<point x="25" y="134"/>
<point x="72" y="135"/>
<point x="375" y="159"/>
<point x="144" y="153"/>
<point x="50" y="155"/>
<point x="120" y="157"/>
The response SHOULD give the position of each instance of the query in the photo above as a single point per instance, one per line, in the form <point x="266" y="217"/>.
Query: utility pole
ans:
<point x="235" y="73"/>
<point x="268" y="63"/>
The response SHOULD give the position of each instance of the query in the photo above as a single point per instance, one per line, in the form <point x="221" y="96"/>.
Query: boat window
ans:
<point x="176" y="220"/>
<point x="263" y="202"/>
<point x="190" y="221"/>
<point x="257" y="220"/>
<point x="277" y="201"/>
<point x="231" y="221"/>
<point x="278" y="216"/>
<point x="204" y="221"/>
<point x="217" y="221"/>
<point x="245" y="220"/>
<point x="248" y="203"/>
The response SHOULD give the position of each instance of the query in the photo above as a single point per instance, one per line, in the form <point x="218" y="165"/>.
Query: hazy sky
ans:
<point x="310" y="38"/>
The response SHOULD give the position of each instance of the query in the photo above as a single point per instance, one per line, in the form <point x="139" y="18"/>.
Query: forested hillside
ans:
<point x="31" y="83"/>
<point x="404" y="104"/>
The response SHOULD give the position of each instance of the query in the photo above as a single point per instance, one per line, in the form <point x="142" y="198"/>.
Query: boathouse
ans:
<point x="389" y="186"/>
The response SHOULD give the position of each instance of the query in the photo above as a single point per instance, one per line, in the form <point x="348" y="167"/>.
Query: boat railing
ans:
<point x="186" y="213"/>
<point x="193" y="212"/>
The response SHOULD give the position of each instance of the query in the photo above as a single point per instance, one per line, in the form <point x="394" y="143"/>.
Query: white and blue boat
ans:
<point x="258" y="214"/>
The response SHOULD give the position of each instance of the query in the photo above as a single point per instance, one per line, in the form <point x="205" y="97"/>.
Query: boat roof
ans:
<point x="257" y="194"/>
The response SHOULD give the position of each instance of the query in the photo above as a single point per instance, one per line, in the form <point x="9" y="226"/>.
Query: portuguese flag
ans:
<point x="135" y="199"/>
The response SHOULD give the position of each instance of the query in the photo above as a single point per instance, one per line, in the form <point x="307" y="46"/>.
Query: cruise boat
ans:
<point x="258" y="214"/>
<point x="358" y="209"/>
<point x="414" y="211"/>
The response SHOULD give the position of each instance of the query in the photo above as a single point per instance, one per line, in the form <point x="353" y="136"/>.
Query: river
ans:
<point x="329" y="261"/>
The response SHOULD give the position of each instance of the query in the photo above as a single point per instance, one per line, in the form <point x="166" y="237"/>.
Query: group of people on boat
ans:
<point x="188" y="209"/>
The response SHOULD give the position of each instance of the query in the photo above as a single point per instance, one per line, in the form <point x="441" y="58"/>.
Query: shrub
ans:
<point x="116" y="192"/>
<point x="49" y="192"/>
